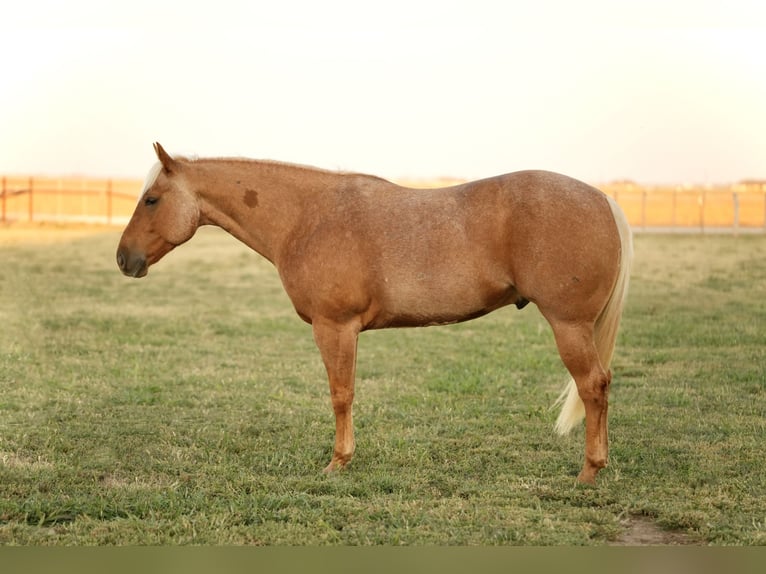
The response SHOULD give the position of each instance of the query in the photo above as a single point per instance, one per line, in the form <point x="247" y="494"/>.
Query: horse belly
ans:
<point x="423" y="298"/>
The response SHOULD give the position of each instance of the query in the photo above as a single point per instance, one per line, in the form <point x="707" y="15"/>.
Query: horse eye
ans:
<point x="150" y="201"/>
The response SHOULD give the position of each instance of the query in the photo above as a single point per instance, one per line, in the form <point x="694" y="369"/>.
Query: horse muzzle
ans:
<point x="131" y="264"/>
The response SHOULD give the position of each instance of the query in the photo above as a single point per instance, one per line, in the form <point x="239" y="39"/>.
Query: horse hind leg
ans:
<point x="577" y="348"/>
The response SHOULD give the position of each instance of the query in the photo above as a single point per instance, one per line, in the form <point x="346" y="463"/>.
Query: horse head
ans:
<point x="166" y="216"/>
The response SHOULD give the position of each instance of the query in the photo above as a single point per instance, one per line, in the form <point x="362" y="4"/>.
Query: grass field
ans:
<point x="192" y="407"/>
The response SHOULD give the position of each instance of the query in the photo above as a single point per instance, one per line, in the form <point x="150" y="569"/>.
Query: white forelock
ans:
<point x="151" y="177"/>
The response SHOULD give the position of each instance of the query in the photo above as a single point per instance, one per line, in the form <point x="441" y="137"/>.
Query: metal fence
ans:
<point x="735" y="208"/>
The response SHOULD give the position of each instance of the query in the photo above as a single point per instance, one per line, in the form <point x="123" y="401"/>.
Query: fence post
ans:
<point x="4" y="195"/>
<point x="108" y="201"/>
<point x="701" y="201"/>
<point x="735" y="199"/>
<point x="643" y="210"/>
<point x="31" y="199"/>
<point x="675" y="202"/>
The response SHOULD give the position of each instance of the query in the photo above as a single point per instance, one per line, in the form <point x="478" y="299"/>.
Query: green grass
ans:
<point x="191" y="407"/>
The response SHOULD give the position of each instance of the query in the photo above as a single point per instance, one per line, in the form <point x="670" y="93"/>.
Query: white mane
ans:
<point x="151" y="177"/>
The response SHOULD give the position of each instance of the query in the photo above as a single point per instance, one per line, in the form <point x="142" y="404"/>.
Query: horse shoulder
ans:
<point x="324" y="267"/>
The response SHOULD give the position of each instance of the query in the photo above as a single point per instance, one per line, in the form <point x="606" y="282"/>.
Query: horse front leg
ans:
<point x="337" y="344"/>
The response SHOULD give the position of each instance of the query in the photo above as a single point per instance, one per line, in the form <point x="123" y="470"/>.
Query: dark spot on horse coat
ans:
<point x="251" y="198"/>
<point x="521" y="303"/>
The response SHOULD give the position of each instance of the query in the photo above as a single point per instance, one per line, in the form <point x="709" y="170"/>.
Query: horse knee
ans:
<point x="342" y="398"/>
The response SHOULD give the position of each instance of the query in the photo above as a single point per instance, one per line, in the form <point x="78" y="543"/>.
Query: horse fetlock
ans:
<point x="590" y="470"/>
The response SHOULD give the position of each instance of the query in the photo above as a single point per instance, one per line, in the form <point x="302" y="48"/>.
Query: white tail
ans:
<point x="573" y="410"/>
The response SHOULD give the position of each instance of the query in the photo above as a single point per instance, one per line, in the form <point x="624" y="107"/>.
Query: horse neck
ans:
<point x="259" y="203"/>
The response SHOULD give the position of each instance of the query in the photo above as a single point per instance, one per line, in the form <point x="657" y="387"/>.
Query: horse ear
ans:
<point x="167" y="162"/>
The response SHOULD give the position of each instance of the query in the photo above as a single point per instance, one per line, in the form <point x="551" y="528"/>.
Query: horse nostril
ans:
<point x="121" y="261"/>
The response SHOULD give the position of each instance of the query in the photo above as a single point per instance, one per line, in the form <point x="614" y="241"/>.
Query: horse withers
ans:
<point x="356" y="252"/>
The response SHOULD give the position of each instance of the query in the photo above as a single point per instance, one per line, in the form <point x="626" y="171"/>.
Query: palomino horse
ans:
<point x="356" y="252"/>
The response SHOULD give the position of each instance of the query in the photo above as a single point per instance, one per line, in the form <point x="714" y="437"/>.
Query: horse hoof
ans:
<point x="334" y="466"/>
<point x="587" y="476"/>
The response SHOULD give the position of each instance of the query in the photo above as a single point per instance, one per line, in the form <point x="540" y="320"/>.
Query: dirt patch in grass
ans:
<point x="642" y="531"/>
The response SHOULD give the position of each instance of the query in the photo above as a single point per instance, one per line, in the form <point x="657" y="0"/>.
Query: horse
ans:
<point x="356" y="252"/>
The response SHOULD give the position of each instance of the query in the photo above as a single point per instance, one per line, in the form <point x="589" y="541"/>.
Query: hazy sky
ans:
<point x="652" y="90"/>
